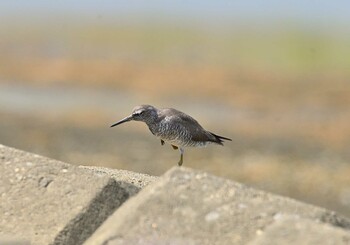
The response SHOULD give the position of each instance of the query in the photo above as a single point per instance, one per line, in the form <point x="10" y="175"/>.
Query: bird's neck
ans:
<point x="152" y="124"/>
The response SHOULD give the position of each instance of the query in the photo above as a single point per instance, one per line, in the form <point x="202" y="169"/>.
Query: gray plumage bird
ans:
<point x="174" y="127"/>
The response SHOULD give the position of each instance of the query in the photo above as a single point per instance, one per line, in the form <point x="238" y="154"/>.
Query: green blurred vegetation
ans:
<point x="291" y="49"/>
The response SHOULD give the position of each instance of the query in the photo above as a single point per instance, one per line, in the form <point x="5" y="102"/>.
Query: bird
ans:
<point x="173" y="127"/>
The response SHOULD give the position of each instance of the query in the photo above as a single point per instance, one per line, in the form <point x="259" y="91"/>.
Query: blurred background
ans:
<point x="272" y="75"/>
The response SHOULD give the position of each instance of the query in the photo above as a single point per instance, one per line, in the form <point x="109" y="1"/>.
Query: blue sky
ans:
<point x="311" y="12"/>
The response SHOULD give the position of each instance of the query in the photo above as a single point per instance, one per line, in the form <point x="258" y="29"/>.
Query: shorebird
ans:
<point x="174" y="127"/>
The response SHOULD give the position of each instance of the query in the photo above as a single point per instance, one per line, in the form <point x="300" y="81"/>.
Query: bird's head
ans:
<point x="144" y="113"/>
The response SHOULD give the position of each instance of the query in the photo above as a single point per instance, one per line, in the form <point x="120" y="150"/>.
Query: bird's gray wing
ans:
<point x="184" y="122"/>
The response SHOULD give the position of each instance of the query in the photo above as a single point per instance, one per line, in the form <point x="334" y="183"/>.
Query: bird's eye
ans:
<point x="139" y="113"/>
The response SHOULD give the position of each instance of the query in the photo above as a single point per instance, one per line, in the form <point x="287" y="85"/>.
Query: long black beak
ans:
<point x="127" y="119"/>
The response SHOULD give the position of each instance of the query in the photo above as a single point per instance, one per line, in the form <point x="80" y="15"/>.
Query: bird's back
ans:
<point x="181" y="129"/>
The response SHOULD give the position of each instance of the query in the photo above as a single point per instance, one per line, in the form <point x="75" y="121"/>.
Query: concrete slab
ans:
<point x="295" y="230"/>
<point x="131" y="181"/>
<point x="191" y="207"/>
<point x="12" y="241"/>
<point x="49" y="202"/>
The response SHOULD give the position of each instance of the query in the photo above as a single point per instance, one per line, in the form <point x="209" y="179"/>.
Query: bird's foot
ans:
<point x="181" y="161"/>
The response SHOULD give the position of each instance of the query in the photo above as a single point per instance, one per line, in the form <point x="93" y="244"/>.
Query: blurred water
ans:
<point x="27" y="99"/>
<point x="20" y="98"/>
<point x="58" y="100"/>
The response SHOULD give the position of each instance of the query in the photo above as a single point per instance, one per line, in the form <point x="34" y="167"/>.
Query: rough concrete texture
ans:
<point x="131" y="181"/>
<point x="191" y="207"/>
<point x="49" y="202"/>
<point x="13" y="241"/>
<point x="44" y="201"/>
<point x="295" y="230"/>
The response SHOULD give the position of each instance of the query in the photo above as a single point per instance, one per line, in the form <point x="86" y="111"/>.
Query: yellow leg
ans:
<point x="181" y="160"/>
<point x="181" y="156"/>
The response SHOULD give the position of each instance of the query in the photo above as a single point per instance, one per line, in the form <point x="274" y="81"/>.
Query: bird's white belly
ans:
<point x="180" y="143"/>
<point x="177" y="143"/>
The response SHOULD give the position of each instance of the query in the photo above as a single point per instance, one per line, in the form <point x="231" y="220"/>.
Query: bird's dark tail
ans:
<point x="219" y="139"/>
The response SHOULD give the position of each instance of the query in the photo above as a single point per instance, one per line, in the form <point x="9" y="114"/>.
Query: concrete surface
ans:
<point x="50" y="202"/>
<point x="6" y="240"/>
<point x="295" y="230"/>
<point x="193" y="207"/>
<point x="43" y="201"/>
<point x="131" y="181"/>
